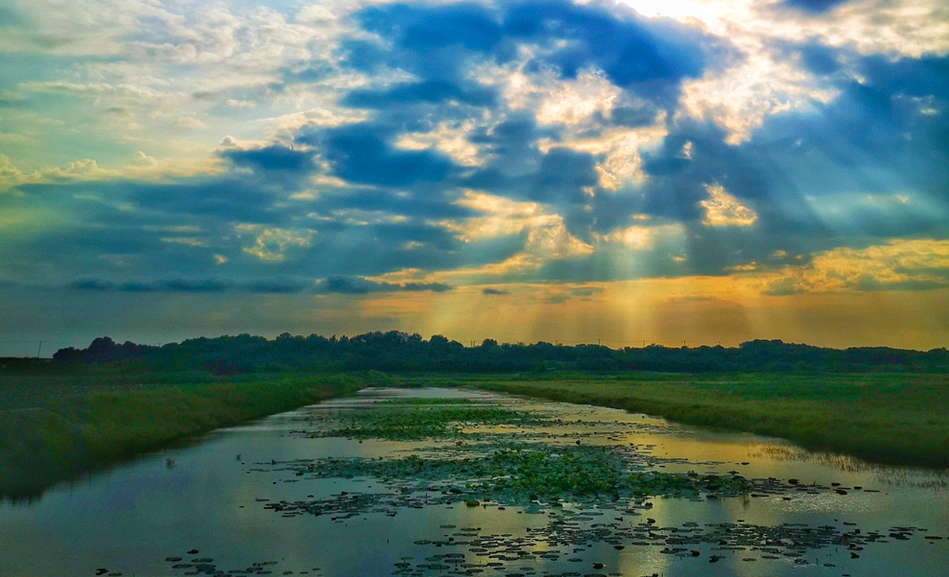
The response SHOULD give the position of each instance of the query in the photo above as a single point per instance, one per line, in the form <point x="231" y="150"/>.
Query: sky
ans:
<point x="694" y="172"/>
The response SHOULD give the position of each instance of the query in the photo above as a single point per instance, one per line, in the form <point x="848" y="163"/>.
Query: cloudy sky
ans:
<point x="700" y="171"/>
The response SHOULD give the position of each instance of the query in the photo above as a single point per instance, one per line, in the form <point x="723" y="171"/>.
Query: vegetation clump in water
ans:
<point x="590" y="494"/>
<point x="517" y="476"/>
<point x="422" y="419"/>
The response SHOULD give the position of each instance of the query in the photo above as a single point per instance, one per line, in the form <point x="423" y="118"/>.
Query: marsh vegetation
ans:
<point x="56" y="425"/>
<point x="57" y="422"/>
<point x="898" y="419"/>
<point x="446" y="482"/>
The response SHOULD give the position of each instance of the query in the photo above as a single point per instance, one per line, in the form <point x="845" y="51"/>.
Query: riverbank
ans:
<point x="56" y="426"/>
<point x="899" y="419"/>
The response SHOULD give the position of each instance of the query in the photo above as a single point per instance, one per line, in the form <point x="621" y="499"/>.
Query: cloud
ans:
<point x="273" y="285"/>
<point x="815" y="6"/>
<point x="649" y="57"/>
<point x="488" y="291"/>
<point x="431" y="91"/>
<point x="723" y="209"/>
<point x="201" y="285"/>
<point x="898" y="264"/>
<point x="479" y="143"/>
<point x="270" y="159"/>
<point x="272" y="244"/>
<point x="360" y="153"/>
<point x="359" y="286"/>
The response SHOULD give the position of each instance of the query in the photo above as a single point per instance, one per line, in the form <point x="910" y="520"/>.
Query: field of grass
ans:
<point x="55" y="426"/>
<point x="885" y="418"/>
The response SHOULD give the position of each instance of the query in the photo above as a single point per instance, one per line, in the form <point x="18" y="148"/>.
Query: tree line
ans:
<point x="396" y="351"/>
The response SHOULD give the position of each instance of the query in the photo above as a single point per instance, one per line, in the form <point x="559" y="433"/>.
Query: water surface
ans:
<point x="243" y="501"/>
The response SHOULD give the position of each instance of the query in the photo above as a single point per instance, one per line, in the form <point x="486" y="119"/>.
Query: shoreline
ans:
<point x="896" y="429"/>
<point x="897" y="420"/>
<point x="90" y="432"/>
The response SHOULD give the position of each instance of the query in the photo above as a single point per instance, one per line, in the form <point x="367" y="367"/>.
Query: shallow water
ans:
<point x="218" y="498"/>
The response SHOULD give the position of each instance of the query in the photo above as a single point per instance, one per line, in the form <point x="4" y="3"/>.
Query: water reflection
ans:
<point x="220" y="498"/>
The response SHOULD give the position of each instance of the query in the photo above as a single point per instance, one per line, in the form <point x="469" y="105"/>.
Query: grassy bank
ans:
<point x="56" y="426"/>
<point x="898" y="419"/>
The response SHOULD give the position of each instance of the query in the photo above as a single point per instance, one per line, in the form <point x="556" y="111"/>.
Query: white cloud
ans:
<point x="187" y="241"/>
<point x="895" y="263"/>
<point x="739" y="98"/>
<point x="191" y="122"/>
<point x="546" y="236"/>
<point x="575" y="101"/>
<point x="450" y="138"/>
<point x="906" y="27"/>
<point x="243" y="104"/>
<point x="139" y="166"/>
<point x="723" y="209"/>
<point x="273" y="244"/>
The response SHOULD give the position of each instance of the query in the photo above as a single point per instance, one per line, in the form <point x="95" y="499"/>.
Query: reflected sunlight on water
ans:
<point x="249" y="495"/>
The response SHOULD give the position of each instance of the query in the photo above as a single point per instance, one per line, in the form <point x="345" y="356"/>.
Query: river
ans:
<point x="286" y="496"/>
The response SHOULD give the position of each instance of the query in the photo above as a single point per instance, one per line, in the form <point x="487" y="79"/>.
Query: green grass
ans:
<point x="54" y="426"/>
<point x="885" y="418"/>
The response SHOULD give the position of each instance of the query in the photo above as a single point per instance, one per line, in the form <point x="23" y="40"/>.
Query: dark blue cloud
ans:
<point x="806" y="173"/>
<point x="651" y="56"/>
<point x="431" y="38"/>
<point x="422" y="202"/>
<point x="364" y="55"/>
<point x="358" y="286"/>
<point x="418" y="232"/>
<point x="369" y="250"/>
<point x="561" y="178"/>
<point x="516" y="168"/>
<point x="648" y="56"/>
<point x="817" y="178"/>
<point x="229" y="198"/>
<point x="819" y="59"/>
<point x="277" y="285"/>
<point x="563" y="175"/>
<point x="431" y="91"/>
<point x="361" y="153"/>
<point x="511" y="148"/>
<point x="274" y="164"/>
<point x="425" y="28"/>
<point x="274" y="158"/>
<point x="434" y="43"/>
<point x="634" y="117"/>
<point x="439" y="45"/>
<point x="879" y="136"/>
<point x="925" y="76"/>
<point x="196" y="285"/>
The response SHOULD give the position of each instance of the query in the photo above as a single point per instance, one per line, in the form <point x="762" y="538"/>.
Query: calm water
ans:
<point x="216" y="498"/>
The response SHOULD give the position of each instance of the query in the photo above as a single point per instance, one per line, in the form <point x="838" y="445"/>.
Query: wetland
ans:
<point x="443" y="482"/>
